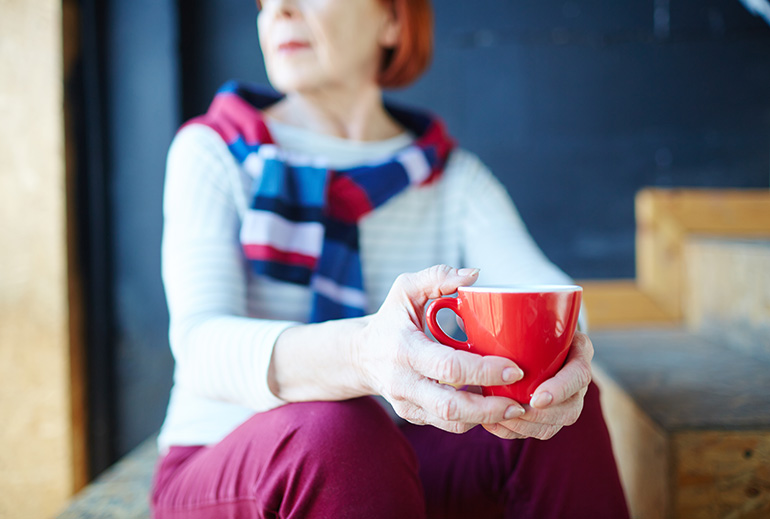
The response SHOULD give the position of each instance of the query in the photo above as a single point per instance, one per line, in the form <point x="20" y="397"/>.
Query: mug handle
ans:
<point x="435" y="329"/>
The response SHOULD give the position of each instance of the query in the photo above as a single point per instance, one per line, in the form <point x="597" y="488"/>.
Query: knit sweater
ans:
<point x="225" y="320"/>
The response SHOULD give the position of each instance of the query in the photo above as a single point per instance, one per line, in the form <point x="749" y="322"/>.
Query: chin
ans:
<point x="294" y="81"/>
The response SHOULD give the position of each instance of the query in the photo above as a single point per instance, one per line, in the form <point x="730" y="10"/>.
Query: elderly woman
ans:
<point x="292" y="224"/>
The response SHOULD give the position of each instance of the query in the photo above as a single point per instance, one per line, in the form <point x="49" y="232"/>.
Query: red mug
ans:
<point x="532" y="325"/>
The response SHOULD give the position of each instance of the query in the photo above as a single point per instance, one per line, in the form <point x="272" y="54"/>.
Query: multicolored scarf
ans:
<point x="301" y="225"/>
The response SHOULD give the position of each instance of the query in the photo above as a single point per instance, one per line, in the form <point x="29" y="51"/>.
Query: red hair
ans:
<point x="404" y="63"/>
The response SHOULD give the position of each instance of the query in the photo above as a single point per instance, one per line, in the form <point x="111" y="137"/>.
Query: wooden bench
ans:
<point x="690" y="422"/>
<point x="686" y="371"/>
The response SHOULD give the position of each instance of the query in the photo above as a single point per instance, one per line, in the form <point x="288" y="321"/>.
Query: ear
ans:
<point x="390" y="33"/>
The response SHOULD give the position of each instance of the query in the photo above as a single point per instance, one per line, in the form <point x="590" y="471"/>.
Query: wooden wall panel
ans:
<point x="71" y="51"/>
<point x="641" y="449"/>
<point x="722" y="474"/>
<point x="620" y="303"/>
<point x="665" y="218"/>
<point x="35" y="459"/>
<point x="728" y="291"/>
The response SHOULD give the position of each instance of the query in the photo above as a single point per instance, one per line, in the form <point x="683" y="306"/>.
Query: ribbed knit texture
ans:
<point x="225" y="319"/>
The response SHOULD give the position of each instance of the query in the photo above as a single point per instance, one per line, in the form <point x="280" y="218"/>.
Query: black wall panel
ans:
<point x="575" y="105"/>
<point x="141" y="92"/>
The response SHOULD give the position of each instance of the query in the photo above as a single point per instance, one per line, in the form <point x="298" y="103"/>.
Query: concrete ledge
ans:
<point x="122" y="492"/>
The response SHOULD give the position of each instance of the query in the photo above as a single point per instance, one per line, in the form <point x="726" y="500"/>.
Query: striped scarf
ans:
<point x="301" y="225"/>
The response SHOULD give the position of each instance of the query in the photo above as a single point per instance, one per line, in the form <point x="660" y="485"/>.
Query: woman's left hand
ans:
<point x="556" y="402"/>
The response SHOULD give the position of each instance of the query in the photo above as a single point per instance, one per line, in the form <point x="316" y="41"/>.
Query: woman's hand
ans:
<point x="396" y="360"/>
<point x="388" y="354"/>
<point x="557" y="401"/>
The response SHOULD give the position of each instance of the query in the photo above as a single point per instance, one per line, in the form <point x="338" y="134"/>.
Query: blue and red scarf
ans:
<point x="301" y="225"/>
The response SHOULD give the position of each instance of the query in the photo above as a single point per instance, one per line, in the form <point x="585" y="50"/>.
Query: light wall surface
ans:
<point x="35" y="458"/>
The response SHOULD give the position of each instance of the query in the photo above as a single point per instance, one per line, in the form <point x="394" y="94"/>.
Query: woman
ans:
<point x="311" y="207"/>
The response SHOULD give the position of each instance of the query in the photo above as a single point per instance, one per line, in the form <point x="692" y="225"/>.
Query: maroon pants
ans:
<point x="348" y="459"/>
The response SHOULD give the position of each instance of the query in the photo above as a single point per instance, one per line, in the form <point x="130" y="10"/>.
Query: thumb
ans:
<point x="433" y="282"/>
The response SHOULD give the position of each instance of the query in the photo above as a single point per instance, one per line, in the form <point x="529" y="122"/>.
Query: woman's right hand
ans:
<point x="394" y="358"/>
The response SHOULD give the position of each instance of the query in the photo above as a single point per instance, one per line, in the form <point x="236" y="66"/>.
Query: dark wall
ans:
<point x="575" y="105"/>
<point x="144" y="97"/>
<point x="125" y="97"/>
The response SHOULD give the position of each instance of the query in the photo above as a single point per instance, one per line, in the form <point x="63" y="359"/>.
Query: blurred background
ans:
<point x="575" y="105"/>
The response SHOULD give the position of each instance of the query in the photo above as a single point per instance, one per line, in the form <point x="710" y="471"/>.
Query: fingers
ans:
<point x="557" y="402"/>
<point x="541" y="424"/>
<point x="565" y="413"/>
<point x="452" y="405"/>
<point x="536" y="431"/>
<point x="574" y="376"/>
<point x="434" y="282"/>
<point x="420" y="399"/>
<point x="461" y="367"/>
<point x="502" y="432"/>
<point x="452" y="410"/>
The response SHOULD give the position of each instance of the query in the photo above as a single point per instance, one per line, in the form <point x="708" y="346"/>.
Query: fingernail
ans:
<point x="468" y="272"/>
<point x="542" y="399"/>
<point x="512" y="374"/>
<point x="514" y="411"/>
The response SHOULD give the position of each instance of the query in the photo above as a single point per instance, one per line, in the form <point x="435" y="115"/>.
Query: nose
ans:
<point x="281" y="8"/>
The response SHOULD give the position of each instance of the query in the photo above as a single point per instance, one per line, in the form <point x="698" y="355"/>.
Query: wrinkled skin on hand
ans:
<point x="395" y="359"/>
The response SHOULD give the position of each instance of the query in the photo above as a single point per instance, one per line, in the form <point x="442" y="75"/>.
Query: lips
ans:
<point x="293" y="46"/>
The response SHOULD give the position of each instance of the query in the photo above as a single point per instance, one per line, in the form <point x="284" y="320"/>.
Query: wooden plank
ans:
<point x="621" y="304"/>
<point x="35" y="459"/>
<point x="728" y="293"/>
<point x="687" y="381"/>
<point x="735" y="212"/>
<point x="77" y="374"/>
<point x="722" y="474"/>
<point x="666" y="217"/>
<point x="641" y="449"/>
<point x="690" y="423"/>
<point x="658" y="254"/>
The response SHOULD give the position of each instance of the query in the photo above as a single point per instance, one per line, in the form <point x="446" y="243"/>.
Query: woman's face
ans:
<point x="313" y="44"/>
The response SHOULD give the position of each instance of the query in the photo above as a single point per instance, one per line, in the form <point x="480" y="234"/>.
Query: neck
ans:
<point x="358" y="116"/>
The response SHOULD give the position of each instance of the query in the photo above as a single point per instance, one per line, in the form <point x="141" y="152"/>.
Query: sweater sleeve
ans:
<point x="495" y="238"/>
<point x="220" y="352"/>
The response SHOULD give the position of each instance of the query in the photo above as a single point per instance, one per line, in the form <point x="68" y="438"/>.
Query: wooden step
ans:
<point x="727" y="291"/>
<point x="666" y="218"/>
<point x="690" y="421"/>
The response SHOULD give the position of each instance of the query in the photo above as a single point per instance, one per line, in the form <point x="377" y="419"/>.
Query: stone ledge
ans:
<point x="122" y="492"/>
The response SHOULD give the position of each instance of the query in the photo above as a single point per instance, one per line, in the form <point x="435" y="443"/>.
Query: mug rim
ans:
<point x="522" y="288"/>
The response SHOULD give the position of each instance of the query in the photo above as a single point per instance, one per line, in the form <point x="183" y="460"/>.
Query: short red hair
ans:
<point x="404" y="63"/>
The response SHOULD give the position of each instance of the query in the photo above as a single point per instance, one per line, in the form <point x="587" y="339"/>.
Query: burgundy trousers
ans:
<point x="348" y="459"/>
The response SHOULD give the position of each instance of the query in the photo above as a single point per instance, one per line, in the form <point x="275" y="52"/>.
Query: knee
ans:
<point x="349" y="458"/>
<point x="355" y="436"/>
<point x="342" y="426"/>
<point x="339" y="443"/>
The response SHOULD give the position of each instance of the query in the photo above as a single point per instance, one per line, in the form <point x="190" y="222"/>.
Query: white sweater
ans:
<point x="225" y="320"/>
